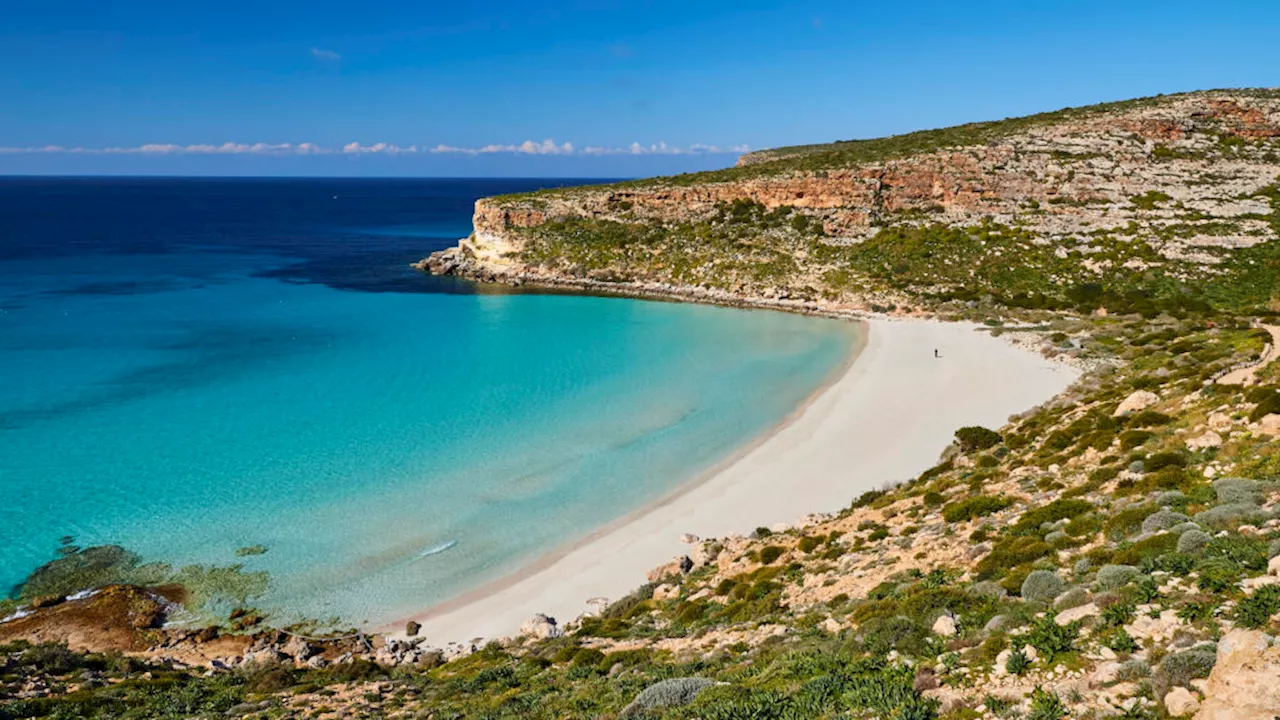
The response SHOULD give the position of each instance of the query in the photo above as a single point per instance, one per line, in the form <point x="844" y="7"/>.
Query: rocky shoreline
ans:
<point x="459" y="261"/>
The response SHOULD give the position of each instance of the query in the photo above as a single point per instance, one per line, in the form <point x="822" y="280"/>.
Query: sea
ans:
<point x="189" y="367"/>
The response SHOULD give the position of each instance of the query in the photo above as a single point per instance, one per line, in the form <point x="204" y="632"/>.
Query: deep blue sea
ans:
<point x="191" y="366"/>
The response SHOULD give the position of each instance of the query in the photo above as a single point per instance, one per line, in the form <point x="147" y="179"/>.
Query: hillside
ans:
<point x="1162" y="202"/>
<point x="1112" y="553"/>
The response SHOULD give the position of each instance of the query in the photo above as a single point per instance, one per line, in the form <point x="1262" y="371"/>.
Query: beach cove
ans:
<point x="884" y="418"/>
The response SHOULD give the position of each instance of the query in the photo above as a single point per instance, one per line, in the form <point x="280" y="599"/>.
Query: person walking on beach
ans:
<point x="935" y="353"/>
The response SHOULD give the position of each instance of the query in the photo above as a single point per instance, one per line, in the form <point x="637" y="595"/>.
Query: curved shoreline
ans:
<point x="850" y="424"/>
<point x="550" y="558"/>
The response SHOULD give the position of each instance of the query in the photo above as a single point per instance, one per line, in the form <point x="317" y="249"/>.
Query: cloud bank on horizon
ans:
<point x="528" y="147"/>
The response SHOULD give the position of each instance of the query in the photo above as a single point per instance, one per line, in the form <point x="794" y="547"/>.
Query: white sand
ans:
<point x="885" y="420"/>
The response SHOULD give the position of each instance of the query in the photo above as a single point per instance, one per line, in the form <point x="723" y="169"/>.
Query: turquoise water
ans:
<point x="391" y="448"/>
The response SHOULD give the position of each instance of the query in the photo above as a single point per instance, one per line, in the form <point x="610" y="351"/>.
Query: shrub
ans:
<point x="1268" y="406"/>
<point x="1063" y="509"/>
<point x="1010" y="553"/>
<point x="1128" y="521"/>
<point x="673" y="692"/>
<point x="1052" y="639"/>
<point x="1233" y="491"/>
<point x="1149" y="418"/>
<point x="974" y="438"/>
<point x="974" y="507"/>
<point x="1042" y="586"/>
<point x="1256" y="610"/>
<point x="1114" y="577"/>
<point x="771" y="553"/>
<point x="1181" y="668"/>
<point x="1171" y="498"/>
<point x="1231" y="516"/>
<point x="1161" y="460"/>
<point x="1120" y="641"/>
<point x="1162" y="519"/>
<point x="1131" y="439"/>
<point x="1075" y="597"/>
<point x="1046" y="705"/>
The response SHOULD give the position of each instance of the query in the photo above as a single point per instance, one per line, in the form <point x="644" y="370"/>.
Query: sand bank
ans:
<point x="884" y="420"/>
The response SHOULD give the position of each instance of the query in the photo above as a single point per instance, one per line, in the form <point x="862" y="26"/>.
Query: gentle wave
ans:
<point x="435" y="550"/>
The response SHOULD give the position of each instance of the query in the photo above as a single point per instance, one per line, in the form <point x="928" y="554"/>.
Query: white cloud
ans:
<point x="528" y="147"/>
<point x="355" y="148"/>
<point x="325" y="55"/>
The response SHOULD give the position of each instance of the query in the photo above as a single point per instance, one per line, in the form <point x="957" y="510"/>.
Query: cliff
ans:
<point x="1165" y="197"/>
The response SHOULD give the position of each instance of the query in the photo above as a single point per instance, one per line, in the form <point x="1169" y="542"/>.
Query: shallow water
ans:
<point x="194" y="366"/>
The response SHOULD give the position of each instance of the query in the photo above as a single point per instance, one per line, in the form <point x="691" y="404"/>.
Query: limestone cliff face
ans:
<point x="1200" y="160"/>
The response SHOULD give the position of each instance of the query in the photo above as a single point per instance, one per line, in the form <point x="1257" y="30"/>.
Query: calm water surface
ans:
<point x="188" y="367"/>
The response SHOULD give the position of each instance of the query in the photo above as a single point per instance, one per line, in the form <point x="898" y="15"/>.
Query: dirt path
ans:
<point x="1247" y="375"/>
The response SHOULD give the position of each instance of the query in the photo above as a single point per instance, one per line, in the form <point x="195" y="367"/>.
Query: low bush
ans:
<point x="1042" y="586"/>
<point x="1237" y="491"/>
<point x="1192" y="542"/>
<point x="975" y="438"/>
<point x="1183" y="667"/>
<point x="1063" y="509"/>
<point x="1114" y="577"/>
<point x="770" y="553"/>
<point x="1231" y="516"/>
<point x="673" y="692"/>
<point x="974" y="507"/>
<point x="1009" y="554"/>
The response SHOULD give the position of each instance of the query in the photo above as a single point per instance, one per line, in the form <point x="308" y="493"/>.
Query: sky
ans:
<point x="588" y="88"/>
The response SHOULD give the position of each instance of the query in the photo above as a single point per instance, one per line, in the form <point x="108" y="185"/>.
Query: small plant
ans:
<point x="1118" y="615"/>
<point x="1046" y="705"/>
<point x="1052" y="639"/>
<point x="1017" y="663"/>
<point x="1256" y="610"/>
<point x="1120" y="641"/>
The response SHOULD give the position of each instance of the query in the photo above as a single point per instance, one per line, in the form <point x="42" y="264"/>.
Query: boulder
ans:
<point x="412" y="628"/>
<point x="666" y="591"/>
<point x="1180" y="701"/>
<point x="1066" y="617"/>
<point x="541" y="627"/>
<point x="945" y="626"/>
<point x="1105" y="674"/>
<point x="1269" y="425"/>
<point x="1209" y="439"/>
<point x="1137" y="401"/>
<point x="1242" y="685"/>
<point x="1273" y="565"/>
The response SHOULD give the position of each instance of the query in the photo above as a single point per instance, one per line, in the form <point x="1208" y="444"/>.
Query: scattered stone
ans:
<point x="541" y="627"/>
<point x="1180" y="701"/>
<point x="945" y="626"/>
<point x="412" y="628"/>
<point x="1137" y="401"/>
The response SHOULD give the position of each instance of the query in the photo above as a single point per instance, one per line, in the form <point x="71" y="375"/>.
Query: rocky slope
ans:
<point x="1151" y="196"/>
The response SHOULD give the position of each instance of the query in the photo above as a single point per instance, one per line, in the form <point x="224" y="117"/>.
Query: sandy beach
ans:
<point x="885" y="419"/>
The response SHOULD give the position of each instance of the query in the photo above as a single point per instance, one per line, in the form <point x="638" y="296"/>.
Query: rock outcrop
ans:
<point x="1243" y="683"/>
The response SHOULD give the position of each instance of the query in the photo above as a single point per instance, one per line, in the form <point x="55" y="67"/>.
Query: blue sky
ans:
<point x="584" y="89"/>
